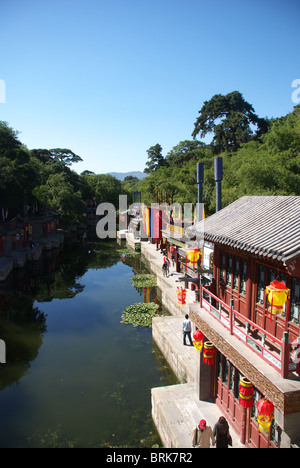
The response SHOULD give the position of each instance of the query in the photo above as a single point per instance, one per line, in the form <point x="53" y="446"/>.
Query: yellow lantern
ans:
<point x="278" y="294"/>
<point x="193" y="256"/>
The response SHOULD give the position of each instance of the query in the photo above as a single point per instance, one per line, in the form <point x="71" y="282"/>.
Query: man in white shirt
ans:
<point x="187" y="329"/>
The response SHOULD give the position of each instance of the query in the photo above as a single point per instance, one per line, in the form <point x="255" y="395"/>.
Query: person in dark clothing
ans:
<point x="221" y="433"/>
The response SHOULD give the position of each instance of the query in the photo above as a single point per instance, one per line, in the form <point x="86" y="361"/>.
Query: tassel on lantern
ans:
<point x="245" y="393"/>
<point x="198" y="338"/>
<point x="209" y="353"/>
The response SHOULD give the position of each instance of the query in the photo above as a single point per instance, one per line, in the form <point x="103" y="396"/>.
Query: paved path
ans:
<point x="176" y="409"/>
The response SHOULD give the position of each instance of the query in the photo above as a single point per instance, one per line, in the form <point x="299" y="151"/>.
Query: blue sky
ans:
<point x="110" y="78"/>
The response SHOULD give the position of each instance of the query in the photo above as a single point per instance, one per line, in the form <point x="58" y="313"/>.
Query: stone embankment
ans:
<point x="176" y="409"/>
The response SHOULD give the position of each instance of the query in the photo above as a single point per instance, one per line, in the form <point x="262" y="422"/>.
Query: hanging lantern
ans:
<point x="265" y="415"/>
<point x="209" y="353"/>
<point x="278" y="294"/>
<point x="245" y="393"/>
<point x="193" y="256"/>
<point x="181" y="295"/>
<point x="198" y="338"/>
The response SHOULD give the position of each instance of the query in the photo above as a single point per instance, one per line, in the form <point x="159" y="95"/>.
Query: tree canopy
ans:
<point x="260" y="157"/>
<point x="229" y="118"/>
<point x="155" y="158"/>
<point x="268" y="164"/>
<point x="41" y="174"/>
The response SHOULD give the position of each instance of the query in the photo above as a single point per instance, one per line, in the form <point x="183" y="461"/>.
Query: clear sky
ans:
<point x="110" y="78"/>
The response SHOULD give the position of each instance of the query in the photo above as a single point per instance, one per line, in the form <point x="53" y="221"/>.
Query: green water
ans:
<point x="75" y="376"/>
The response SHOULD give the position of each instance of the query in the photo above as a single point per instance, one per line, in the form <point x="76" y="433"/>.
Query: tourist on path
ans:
<point x="187" y="329"/>
<point x="203" y="435"/>
<point x="221" y="433"/>
<point x="164" y="267"/>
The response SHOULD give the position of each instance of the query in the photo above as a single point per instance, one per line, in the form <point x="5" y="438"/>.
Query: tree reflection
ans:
<point x="21" y="327"/>
<point x="56" y="276"/>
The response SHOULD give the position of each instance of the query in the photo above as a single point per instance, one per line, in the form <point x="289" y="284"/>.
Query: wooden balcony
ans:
<point x="280" y="354"/>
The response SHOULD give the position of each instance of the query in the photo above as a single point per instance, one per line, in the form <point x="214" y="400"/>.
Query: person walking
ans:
<point x="222" y="434"/>
<point x="187" y="329"/>
<point x="168" y="267"/>
<point x="203" y="435"/>
<point x="164" y="267"/>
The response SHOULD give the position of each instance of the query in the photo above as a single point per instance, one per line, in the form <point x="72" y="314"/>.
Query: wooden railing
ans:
<point x="275" y="352"/>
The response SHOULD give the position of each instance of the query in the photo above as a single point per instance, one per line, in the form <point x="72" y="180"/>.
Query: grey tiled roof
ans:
<point x="268" y="226"/>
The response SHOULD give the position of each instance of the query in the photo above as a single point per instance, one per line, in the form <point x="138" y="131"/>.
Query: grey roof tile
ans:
<point x="263" y="225"/>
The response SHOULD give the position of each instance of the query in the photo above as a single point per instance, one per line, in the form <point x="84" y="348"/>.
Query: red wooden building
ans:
<point x="256" y="241"/>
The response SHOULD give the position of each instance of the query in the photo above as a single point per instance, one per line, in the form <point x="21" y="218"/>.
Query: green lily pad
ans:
<point x="140" y="314"/>
<point x="144" y="281"/>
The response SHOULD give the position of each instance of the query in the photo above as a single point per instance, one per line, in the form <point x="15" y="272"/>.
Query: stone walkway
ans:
<point x="176" y="410"/>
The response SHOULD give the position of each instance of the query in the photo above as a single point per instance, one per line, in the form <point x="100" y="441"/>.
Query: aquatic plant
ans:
<point x="144" y="281"/>
<point x="140" y="314"/>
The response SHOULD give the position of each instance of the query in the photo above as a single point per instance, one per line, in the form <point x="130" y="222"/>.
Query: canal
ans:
<point x="75" y="376"/>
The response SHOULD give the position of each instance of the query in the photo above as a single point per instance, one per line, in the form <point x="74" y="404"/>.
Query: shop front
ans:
<point x="244" y="420"/>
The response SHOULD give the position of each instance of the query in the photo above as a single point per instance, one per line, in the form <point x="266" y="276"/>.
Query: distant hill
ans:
<point x="122" y="175"/>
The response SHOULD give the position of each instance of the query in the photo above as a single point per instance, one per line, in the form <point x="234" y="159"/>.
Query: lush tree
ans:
<point x="8" y="138"/>
<point x="102" y="188"/>
<point x="184" y="152"/>
<point x="230" y="118"/>
<point x="268" y="164"/>
<point x="155" y="158"/>
<point x="62" y="198"/>
<point x="19" y="172"/>
<point x="65" y="156"/>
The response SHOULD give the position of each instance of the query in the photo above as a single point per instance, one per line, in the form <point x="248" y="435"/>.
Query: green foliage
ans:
<point x="139" y="314"/>
<point x="42" y="174"/>
<point x="8" y="138"/>
<point x="229" y="118"/>
<point x="155" y="157"/>
<point x="63" y="198"/>
<point x="260" y="157"/>
<point x="144" y="281"/>
<point x="101" y="187"/>
<point x="266" y="165"/>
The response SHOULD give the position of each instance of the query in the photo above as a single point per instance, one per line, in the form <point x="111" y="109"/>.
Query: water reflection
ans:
<point x="74" y="375"/>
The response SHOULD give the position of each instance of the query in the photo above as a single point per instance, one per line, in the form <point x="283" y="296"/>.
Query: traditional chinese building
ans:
<point x="256" y="242"/>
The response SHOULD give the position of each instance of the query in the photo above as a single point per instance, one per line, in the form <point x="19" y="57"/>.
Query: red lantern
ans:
<point x="181" y="295"/>
<point x="209" y="353"/>
<point x="198" y="338"/>
<point x="245" y="393"/>
<point x="265" y="410"/>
